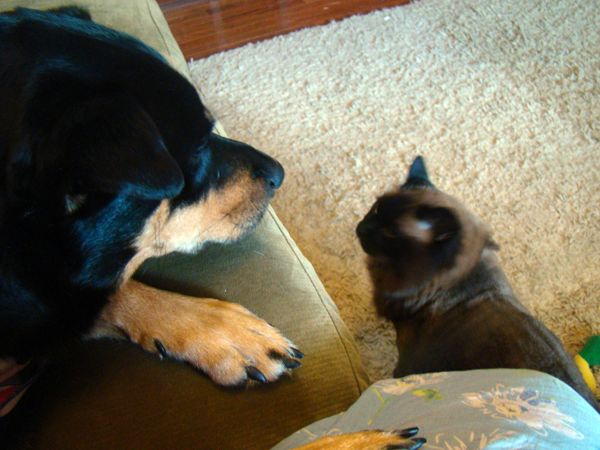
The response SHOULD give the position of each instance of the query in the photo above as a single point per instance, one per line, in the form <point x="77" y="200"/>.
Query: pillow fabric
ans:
<point x="492" y="408"/>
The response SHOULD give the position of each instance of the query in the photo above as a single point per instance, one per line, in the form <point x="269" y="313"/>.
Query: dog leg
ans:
<point x="369" y="440"/>
<point x="225" y="340"/>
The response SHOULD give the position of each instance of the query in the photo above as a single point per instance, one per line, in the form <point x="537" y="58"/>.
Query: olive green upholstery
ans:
<point x="112" y="395"/>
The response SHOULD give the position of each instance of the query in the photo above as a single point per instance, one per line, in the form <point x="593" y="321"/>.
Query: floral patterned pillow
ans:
<point x="478" y="409"/>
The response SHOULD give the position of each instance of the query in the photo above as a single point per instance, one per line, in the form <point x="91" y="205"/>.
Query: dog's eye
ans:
<point x="202" y="148"/>
<point x="73" y="202"/>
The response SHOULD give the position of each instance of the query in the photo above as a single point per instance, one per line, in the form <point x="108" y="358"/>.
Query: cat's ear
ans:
<point x="417" y="175"/>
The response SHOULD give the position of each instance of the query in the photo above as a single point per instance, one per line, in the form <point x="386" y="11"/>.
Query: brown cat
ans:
<point x="436" y="277"/>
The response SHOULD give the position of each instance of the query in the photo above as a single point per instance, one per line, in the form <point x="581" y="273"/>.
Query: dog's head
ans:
<point x="419" y="237"/>
<point x="107" y="171"/>
<point x="227" y="189"/>
<point x="109" y="158"/>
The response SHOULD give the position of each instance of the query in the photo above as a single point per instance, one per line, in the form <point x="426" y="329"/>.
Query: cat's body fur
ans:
<point x="437" y="278"/>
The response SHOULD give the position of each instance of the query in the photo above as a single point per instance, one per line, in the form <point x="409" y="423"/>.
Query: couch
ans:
<point x="111" y="394"/>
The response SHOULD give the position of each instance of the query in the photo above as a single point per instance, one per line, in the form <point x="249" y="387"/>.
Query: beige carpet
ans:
<point x="502" y="97"/>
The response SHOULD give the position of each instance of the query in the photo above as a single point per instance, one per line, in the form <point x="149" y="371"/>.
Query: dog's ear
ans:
<point x="72" y="11"/>
<point x="113" y="146"/>
<point x="417" y="175"/>
<point x="76" y="143"/>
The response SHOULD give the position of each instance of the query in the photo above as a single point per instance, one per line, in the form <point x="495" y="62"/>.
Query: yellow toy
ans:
<point x="587" y="357"/>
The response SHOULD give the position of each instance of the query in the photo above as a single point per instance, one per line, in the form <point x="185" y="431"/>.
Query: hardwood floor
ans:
<point x="204" y="27"/>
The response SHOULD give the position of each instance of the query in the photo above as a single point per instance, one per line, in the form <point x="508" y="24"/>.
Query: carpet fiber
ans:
<point x="502" y="98"/>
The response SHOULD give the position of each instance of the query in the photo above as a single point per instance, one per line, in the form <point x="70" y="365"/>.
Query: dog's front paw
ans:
<point x="224" y="340"/>
<point x="369" y="440"/>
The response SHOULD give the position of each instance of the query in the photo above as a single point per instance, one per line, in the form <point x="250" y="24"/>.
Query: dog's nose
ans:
<point x="261" y="165"/>
<point x="272" y="172"/>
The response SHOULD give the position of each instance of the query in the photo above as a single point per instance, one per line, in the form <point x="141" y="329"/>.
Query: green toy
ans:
<point x="589" y="356"/>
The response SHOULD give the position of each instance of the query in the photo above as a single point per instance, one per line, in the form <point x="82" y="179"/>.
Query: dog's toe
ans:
<point x="255" y="374"/>
<point x="224" y="340"/>
<point x="369" y="440"/>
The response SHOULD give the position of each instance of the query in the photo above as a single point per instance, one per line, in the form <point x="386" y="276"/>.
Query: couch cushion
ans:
<point x="140" y="18"/>
<point x="112" y="395"/>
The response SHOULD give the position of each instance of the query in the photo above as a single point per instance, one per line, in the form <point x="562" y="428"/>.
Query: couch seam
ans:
<point x="158" y="28"/>
<point x="284" y="234"/>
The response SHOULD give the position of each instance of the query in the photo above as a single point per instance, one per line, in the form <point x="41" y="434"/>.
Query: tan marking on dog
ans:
<point x="224" y="215"/>
<point x="221" y="338"/>
<point x="364" y="440"/>
<point x="218" y="337"/>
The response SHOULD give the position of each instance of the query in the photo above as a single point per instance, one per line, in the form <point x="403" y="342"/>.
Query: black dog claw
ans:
<point x="255" y="374"/>
<point x="408" y="432"/>
<point x="296" y="353"/>
<point x="291" y="363"/>
<point x="414" y="444"/>
<point x="418" y="443"/>
<point x="161" y="349"/>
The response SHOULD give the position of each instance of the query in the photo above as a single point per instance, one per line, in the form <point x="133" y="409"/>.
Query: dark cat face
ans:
<point x="402" y="225"/>
<point x="417" y="234"/>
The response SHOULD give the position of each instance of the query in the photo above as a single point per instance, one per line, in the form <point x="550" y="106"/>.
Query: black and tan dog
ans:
<point x="108" y="158"/>
<point x="436" y="277"/>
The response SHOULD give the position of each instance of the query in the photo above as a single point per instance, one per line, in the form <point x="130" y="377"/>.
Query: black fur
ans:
<point x="95" y="130"/>
<point x="417" y="175"/>
<point x="412" y="261"/>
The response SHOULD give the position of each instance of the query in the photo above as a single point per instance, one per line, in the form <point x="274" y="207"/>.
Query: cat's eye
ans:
<point x="443" y="236"/>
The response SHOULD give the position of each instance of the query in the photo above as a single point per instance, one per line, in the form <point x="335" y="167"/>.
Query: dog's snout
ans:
<point x="261" y="165"/>
<point x="270" y="171"/>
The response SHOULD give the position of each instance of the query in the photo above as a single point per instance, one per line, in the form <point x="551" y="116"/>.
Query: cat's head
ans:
<point x="417" y="236"/>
